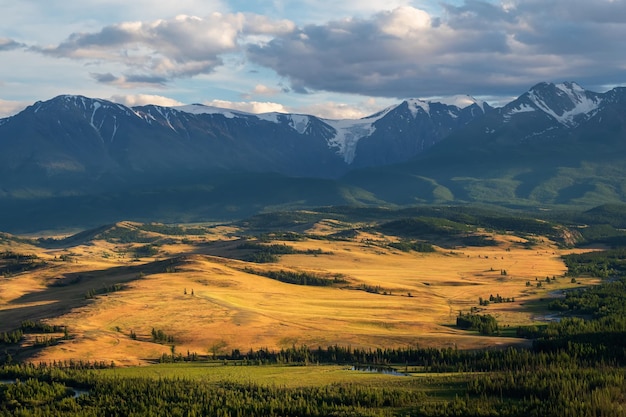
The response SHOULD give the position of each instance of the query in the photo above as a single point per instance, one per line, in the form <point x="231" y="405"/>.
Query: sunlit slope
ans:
<point x="196" y="289"/>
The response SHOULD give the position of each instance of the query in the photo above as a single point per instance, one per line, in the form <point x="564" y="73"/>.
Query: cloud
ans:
<point x="7" y="44"/>
<point x="248" y="106"/>
<point x="334" y="110"/>
<point x="262" y="25"/>
<point x="130" y="81"/>
<point x="326" y="109"/>
<point x="263" y="90"/>
<point x="131" y="100"/>
<point x="324" y="10"/>
<point x="180" y="47"/>
<point x="404" y="22"/>
<point x="162" y="50"/>
<point x="380" y="48"/>
<point x="476" y="48"/>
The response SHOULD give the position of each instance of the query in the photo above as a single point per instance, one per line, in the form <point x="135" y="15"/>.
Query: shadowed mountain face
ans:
<point x="78" y="161"/>
<point x="554" y="145"/>
<point x="78" y="139"/>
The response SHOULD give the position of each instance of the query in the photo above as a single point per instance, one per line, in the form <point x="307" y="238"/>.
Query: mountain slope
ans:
<point x="75" y="161"/>
<point x="555" y="144"/>
<point x="90" y="141"/>
<point x="394" y="139"/>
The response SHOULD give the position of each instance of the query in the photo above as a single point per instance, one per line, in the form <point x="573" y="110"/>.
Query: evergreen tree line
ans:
<point x="92" y="293"/>
<point x="485" y="324"/>
<point x="31" y="326"/>
<point x="11" y="338"/>
<point x="298" y="278"/>
<point x="159" y="336"/>
<point x="412" y="245"/>
<point x="179" y="397"/>
<point x="262" y="253"/>
<point x="495" y="299"/>
<point x="13" y="263"/>
<point x="554" y="389"/>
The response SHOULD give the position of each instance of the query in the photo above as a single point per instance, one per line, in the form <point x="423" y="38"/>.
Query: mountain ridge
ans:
<point x="572" y="154"/>
<point x="77" y="133"/>
<point x="554" y="145"/>
<point x="299" y="122"/>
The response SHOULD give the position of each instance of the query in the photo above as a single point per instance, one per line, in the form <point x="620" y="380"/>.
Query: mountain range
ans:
<point x="74" y="160"/>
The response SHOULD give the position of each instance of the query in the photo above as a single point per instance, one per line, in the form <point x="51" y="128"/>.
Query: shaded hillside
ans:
<point x="523" y="154"/>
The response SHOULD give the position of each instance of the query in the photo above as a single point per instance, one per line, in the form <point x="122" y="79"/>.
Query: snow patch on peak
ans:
<point x="298" y="122"/>
<point x="415" y="105"/>
<point x="460" y="101"/>
<point x="520" y="108"/>
<point x="96" y="106"/>
<point x="578" y="102"/>
<point x="348" y="133"/>
<point x="570" y="87"/>
<point x="81" y="101"/>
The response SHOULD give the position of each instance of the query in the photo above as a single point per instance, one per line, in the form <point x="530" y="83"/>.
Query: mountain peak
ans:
<point x="565" y="102"/>
<point x="460" y="101"/>
<point x="197" y="108"/>
<point x="68" y="102"/>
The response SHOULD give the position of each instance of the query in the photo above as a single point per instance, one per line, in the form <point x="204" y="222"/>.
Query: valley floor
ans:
<point x="204" y="295"/>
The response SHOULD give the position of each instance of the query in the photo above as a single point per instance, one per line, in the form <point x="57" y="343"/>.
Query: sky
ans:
<point x="332" y="59"/>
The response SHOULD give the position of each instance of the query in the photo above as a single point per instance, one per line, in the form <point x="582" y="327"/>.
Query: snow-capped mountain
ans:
<point x="556" y="144"/>
<point x="98" y="137"/>
<point x="395" y="134"/>
<point x="71" y="147"/>
<point x="544" y="113"/>
<point x="567" y="103"/>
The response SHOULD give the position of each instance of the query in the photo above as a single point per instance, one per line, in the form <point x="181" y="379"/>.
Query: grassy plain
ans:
<point x="195" y="288"/>
<point x="269" y="375"/>
<point x="438" y="386"/>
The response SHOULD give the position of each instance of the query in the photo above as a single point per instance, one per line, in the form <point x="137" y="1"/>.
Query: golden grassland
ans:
<point x="194" y="291"/>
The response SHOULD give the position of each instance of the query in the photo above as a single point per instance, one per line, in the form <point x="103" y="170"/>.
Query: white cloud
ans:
<point x="263" y="25"/>
<point x="255" y="107"/>
<point x="238" y="50"/>
<point x="319" y="11"/>
<point x="182" y="46"/>
<point x="131" y="100"/>
<point x="263" y="90"/>
<point x="335" y="110"/>
<point x="475" y="47"/>
<point x="165" y="49"/>
<point x="404" y="22"/>
<point x="325" y="109"/>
